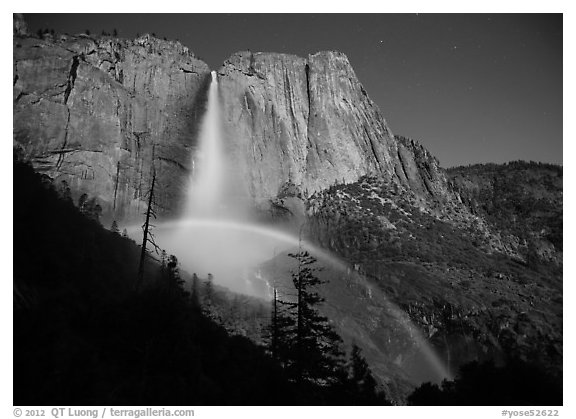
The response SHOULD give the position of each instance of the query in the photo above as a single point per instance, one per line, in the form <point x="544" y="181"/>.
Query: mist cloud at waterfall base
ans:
<point x="231" y="251"/>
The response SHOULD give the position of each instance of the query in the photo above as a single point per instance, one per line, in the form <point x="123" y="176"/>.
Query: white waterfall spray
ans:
<point x="213" y="234"/>
<point x="211" y="237"/>
<point x="206" y="183"/>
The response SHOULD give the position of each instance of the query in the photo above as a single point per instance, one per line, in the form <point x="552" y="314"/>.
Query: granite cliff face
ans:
<point x="96" y="112"/>
<point x="308" y="123"/>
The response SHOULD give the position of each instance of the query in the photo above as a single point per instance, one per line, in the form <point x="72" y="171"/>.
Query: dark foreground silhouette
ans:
<point x="516" y="384"/>
<point x="84" y="336"/>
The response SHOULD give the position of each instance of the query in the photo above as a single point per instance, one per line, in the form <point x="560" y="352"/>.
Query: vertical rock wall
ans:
<point x="96" y="112"/>
<point x="309" y="123"/>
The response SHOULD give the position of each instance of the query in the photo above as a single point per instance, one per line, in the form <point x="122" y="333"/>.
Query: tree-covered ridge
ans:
<point x="522" y="198"/>
<point x="481" y="168"/>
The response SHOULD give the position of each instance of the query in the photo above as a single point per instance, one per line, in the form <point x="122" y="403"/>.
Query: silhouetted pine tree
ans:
<point x="317" y="354"/>
<point x="114" y="227"/>
<point x="209" y="290"/>
<point x="362" y="386"/>
<point x="195" y="291"/>
<point x="82" y="202"/>
<point x="175" y="281"/>
<point x="64" y="191"/>
<point x="282" y="331"/>
<point x="360" y="372"/>
<point x="92" y="209"/>
<point x="163" y="259"/>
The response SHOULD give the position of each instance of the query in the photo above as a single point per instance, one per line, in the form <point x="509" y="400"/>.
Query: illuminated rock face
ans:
<point x="95" y="112"/>
<point x="309" y="123"/>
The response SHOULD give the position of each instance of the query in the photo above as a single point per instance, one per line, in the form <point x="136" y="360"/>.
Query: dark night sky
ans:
<point x="471" y="88"/>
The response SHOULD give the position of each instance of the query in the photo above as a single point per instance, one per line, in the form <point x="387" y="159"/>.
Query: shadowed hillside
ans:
<point x="83" y="336"/>
<point x="520" y="198"/>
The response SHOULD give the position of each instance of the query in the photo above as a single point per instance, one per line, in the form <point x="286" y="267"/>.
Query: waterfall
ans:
<point x="212" y="237"/>
<point x="214" y="234"/>
<point x="204" y="195"/>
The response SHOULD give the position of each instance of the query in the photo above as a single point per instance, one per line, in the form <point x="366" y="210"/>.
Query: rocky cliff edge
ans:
<point x="95" y="113"/>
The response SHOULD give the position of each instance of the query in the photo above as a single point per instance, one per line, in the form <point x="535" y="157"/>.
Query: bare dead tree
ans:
<point x="148" y="236"/>
<point x="116" y="184"/>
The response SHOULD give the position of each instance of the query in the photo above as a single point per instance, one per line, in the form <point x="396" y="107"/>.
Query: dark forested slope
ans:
<point x="84" y="336"/>
<point x="520" y="198"/>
